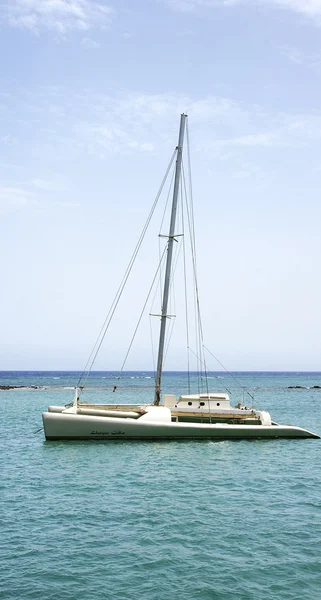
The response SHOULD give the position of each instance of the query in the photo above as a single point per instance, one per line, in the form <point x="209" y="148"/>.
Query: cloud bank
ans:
<point x="60" y="16"/>
<point x="311" y="8"/>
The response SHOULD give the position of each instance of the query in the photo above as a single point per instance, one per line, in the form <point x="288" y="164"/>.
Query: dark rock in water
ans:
<point x="9" y="387"/>
<point x="296" y="387"/>
<point x="15" y="387"/>
<point x="303" y="387"/>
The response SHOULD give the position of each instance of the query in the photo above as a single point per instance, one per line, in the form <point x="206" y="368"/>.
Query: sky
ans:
<point x="90" y="97"/>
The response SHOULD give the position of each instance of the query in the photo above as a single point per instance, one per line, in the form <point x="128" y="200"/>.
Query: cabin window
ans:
<point x="190" y="403"/>
<point x="202" y="403"/>
<point x="217" y="404"/>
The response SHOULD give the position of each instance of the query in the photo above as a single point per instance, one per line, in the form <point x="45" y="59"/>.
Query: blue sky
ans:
<point x="90" y="97"/>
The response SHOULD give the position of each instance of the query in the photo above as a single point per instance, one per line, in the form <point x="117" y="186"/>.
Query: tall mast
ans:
<point x="169" y="260"/>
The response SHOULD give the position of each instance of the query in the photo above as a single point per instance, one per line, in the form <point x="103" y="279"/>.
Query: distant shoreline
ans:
<point x="116" y="372"/>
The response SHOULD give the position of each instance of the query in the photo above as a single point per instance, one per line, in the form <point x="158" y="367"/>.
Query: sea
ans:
<point x="227" y="520"/>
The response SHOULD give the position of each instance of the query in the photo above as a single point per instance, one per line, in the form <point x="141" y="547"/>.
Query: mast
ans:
<point x="169" y="260"/>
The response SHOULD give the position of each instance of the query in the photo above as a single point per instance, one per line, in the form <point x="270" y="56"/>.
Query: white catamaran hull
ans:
<point x="192" y="416"/>
<point x="60" y="426"/>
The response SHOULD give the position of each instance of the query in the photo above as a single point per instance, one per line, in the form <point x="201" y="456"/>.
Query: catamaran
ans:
<point x="204" y="415"/>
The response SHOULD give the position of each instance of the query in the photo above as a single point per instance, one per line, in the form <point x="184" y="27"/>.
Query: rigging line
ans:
<point x="172" y="292"/>
<point x="194" y="241"/>
<point x="198" y="357"/>
<point x="171" y="329"/>
<point x="172" y="319"/>
<point x="200" y="327"/>
<point x="174" y="268"/>
<point x="230" y="374"/>
<point x="38" y="430"/>
<point x="176" y="255"/>
<point x="189" y="212"/>
<point x="172" y="297"/>
<point x="152" y="345"/>
<point x="211" y="372"/>
<point x="198" y="322"/>
<point x="167" y="200"/>
<point x="127" y="272"/>
<point x="185" y="292"/>
<point x="104" y="328"/>
<point x="177" y="252"/>
<point x="191" y="201"/>
<point x="160" y="286"/>
<point x="192" y="204"/>
<point x="160" y="230"/>
<point x="170" y="289"/>
<point x="142" y="312"/>
<point x="190" y="184"/>
<point x="156" y="288"/>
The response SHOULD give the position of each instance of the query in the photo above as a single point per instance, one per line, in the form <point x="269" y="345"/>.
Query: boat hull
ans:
<point x="60" y="426"/>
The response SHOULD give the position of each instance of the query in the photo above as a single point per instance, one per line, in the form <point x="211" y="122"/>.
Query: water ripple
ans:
<point x="193" y="520"/>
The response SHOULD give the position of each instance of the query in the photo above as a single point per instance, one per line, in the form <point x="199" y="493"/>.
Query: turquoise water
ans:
<point x="152" y="521"/>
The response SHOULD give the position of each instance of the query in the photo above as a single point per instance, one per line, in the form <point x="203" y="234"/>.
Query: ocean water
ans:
<point x="154" y="521"/>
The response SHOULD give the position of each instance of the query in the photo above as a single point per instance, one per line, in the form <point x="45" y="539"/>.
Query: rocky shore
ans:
<point x="17" y="387"/>
<point x="303" y="387"/>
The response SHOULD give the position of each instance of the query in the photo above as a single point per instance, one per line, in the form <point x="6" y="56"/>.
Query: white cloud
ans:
<point x="288" y="130"/>
<point x="8" y="139"/>
<point x="141" y="122"/>
<point x="47" y="186"/>
<point x="310" y="8"/>
<point x="145" y="122"/>
<point x="89" y="43"/>
<point x="15" y="196"/>
<point x="299" y="57"/>
<point x="124" y="122"/>
<point x="147" y="108"/>
<point x="258" y="139"/>
<point x="101" y="139"/>
<point x="61" y="16"/>
<point x="193" y="5"/>
<point x="293" y="54"/>
<point x="305" y="127"/>
<point x="34" y="194"/>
